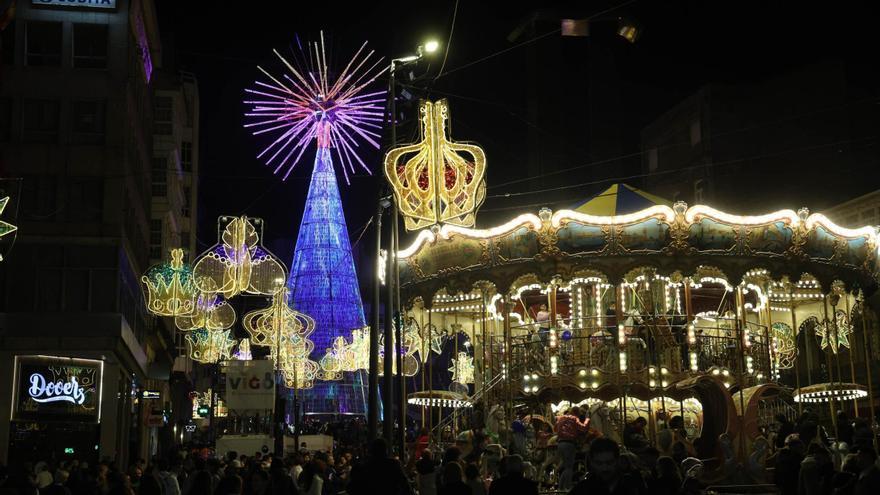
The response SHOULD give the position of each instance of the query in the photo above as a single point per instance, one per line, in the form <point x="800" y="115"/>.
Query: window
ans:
<point x="160" y="177"/>
<point x="85" y="199"/>
<point x="88" y="122"/>
<point x="43" y="43"/>
<point x="90" y="46"/>
<point x="184" y="209"/>
<point x="186" y="156"/>
<point x="5" y="119"/>
<point x="696" y="133"/>
<point x="156" y="238"/>
<point x="7" y="44"/>
<point x="40" y="123"/>
<point x="163" y="112"/>
<point x="38" y="197"/>
<point x="652" y="159"/>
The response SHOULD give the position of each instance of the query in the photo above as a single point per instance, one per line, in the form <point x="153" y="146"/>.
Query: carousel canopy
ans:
<point x="619" y="199"/>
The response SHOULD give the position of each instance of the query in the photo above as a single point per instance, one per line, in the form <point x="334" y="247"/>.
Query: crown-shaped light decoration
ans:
<point x="338" y="358"/>
<point x="287" y="332"/>
<point x="463" y="369"/>
<point x="211" y="313"/>
<point x="169" y="288"/>
<point x="209" y="346"/>
<point x="238" y="263"/>
<point x="437" y="180"/>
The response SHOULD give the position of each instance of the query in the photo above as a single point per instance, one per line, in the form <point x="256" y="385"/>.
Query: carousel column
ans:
<point x="868" y="371"/>
<point x="835" y="300"/>
<point x="852" y="348"/>
<point x="430" y="369"/>
<point x="507" y="356"/>
<point x="742" y="340"/>
<point x="621" y="353"/>
<point x="828" y="364"/>
<point x="797" y="359"/>
<point x="691" y="353"/>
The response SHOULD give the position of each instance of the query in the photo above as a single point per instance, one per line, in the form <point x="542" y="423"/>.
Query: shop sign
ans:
<point x="57" y="388"/>
<point x="150" y="394"/>
<point x="79" y="4"/>
<point x="250" y="385"/>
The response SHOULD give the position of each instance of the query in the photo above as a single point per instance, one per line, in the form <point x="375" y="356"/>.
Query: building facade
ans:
<point x="81" y="85"/>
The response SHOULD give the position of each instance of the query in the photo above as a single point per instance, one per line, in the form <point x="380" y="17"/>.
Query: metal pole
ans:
<point x="797" y="358"/>
<point x="399" y="317"/>
<point x="852" y="350"/>
<point x="388" y="382"/>
<point x="831" y="406"/>
<point x="373" y="393"/>
<point x="867" y="363"/>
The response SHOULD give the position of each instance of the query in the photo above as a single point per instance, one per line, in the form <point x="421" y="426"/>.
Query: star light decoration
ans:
<point x="826" y="332"/>
<point x="437" y="180"/>
<point x="308" y="103"/>
<point x="169" y="288"/>
<point x="6" y="228"/>
<point x="463" y="369"/>
<point x="238" y="263"/>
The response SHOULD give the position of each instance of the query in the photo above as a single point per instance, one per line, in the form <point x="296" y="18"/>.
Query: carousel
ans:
<point x="723" y="320"/>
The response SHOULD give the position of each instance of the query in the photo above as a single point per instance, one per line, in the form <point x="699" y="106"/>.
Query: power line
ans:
<point x="674" y="171"/>
<point x="448" y="41"/>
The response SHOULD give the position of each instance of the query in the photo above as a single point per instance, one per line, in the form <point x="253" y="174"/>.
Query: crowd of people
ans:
<point x="799" y="459"/>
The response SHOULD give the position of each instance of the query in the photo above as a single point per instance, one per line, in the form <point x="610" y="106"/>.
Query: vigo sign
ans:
<point x="49" y="388"/>
<point x="42" y="391"/>
<point x="81" y="4"/>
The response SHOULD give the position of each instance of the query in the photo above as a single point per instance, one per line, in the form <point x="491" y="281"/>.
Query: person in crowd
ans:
<point x="817" y="471"/>
<point x="149" y="484"/>
<point x="425" y="472"/>
<point x="668" y="478"/>
<point x="59" y="484"/>
<point x="231" y="484"/>
<point x="788" y="465"/>
<point x="634" y="437"/>
<point x="605" y="476"/>
<point x="280" y="482"/>
<point x="568" y="428"/>
<point x="513" y="481"/>
<point x="453" y="483"/>
<point x="784" y="428"/>
<point x="868" y="479"/>
<point x="200" y="483"/>
<point x="473" y="480"/>
<point x="167" y="478"/>
<point x="378" y="470"/>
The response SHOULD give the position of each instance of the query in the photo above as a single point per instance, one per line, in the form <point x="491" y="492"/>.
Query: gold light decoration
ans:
<point x="784" y="346"/>
<point x="826" y="332"/>
<point x="437" y="180"/>
<point x="211" y="312"/>
<point x="238" y="263"/>
<point x="338" y="358"/>
<point x="412" y="343"/>
<point x="169" y="288"/>
<point x="286" y="331"/>
<point x="6" y="228"/>
<point x="209" y="346"/>
<point x="463" y="369"/>
<point x="244" y="350"/>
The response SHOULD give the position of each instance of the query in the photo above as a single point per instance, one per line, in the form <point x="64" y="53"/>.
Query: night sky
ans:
<point x="684" y="45"/>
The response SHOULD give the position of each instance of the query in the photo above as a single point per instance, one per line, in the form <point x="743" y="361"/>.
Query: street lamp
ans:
<point x="392" y="282"/>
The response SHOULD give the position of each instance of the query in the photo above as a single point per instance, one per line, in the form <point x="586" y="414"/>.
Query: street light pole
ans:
<point x="373" y="393"/>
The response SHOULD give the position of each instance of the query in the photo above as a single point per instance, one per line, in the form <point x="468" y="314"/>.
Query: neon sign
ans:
<point x="43" y="391"/>
<point x="49" y="388"/>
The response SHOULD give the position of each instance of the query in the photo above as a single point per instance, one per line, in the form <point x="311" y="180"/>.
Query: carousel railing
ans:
<point x="456" y="414"/>
<point x="580" y="344"/>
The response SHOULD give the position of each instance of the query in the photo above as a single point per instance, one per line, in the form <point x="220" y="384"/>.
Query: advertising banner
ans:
<point x="250" y="385"/>
<point x="49" y="388"/>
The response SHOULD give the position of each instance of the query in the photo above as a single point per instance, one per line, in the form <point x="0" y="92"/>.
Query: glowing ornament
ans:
<point x="207" y="346"/>
<point x="826" y="332"/>
<point x="244" y="350"/>
<point x="566" y="335"/>
<point x="238" y="263"/>
<point x="784" y="346"/>
<point x="305" y="105"/>
<point x="412" y="343"/>
<point x="169" y="288"/>
<point x="211" y="312"/>
<point x="463" y="369"/>
<point x="6" y="228"/>
<point x="437" y="180"/>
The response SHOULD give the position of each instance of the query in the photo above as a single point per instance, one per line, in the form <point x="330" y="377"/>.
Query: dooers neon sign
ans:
<point x="44" y="391"/>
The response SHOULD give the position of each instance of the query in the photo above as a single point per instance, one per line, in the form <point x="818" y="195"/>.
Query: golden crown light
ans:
<point x="207" y="346"/>
<point x="169" y="288"/>
<point x="437" y="180"/>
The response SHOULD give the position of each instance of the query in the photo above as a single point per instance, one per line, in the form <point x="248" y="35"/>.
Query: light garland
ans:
<point x="439" y="398"/>
<point x="211" y="312"/>
<point x="824" y="392"/>
<point x="209" y="346"/>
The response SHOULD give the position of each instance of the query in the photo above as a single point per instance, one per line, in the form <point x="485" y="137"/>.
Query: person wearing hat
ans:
<point x="788" y="465"/>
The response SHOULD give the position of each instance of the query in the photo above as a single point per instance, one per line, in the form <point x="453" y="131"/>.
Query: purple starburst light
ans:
<point x="304" y="105"/>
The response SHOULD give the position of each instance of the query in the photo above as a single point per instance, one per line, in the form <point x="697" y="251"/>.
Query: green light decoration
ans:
<point x="6" y="228"/>
<point x="169" y="288"/>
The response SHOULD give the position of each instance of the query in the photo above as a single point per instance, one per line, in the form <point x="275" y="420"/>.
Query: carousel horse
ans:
<point x="495" y="425"/>
<point x="600" y="420"/>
